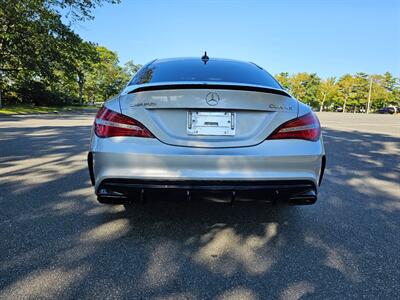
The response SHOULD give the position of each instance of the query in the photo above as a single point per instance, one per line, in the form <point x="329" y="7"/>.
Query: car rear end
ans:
<point x="192" y="126"/>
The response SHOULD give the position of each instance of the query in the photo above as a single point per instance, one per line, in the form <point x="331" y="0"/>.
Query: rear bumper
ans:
<point x="289" y="169"/>
<point x="295" y="192"/>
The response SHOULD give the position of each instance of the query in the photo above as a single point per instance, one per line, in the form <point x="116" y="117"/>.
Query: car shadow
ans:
<point x="57" y="241"/>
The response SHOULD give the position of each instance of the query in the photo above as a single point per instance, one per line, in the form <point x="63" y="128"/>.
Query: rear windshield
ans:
<point x="197" y="70"/>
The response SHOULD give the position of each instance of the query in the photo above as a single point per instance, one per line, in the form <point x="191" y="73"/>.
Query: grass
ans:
<point x="29" y="109"/>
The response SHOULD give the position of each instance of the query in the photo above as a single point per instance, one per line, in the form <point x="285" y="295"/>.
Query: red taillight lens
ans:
<point x="306" y="127"/>
<point x="109" y="123"/>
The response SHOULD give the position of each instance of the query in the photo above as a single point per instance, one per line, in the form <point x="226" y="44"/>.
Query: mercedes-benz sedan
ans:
<point x="205" y="124"/>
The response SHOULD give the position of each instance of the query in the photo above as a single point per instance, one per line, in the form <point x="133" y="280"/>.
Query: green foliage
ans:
<point x="345" y="91"/>
<point x="305" y="87"/>
<point x="349" y="92"/>
<point x="106" y="77"/>
<point x="42" y="61"/>
<point x="78" y="9"/>
<point x="283" y="79"/>
<point x="131" y="68"/>
<point x="326" y="90"/>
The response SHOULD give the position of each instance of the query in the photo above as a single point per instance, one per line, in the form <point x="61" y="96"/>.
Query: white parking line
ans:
<point x="350" y="130"/>
<point x="340" y="138"/>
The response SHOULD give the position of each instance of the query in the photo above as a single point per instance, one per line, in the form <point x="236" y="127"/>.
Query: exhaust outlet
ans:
<point x="306" y="198"/>
<point x="111" y="197"/>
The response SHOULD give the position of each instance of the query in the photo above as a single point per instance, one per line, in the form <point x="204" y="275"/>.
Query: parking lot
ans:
<point x="57" y="241"/>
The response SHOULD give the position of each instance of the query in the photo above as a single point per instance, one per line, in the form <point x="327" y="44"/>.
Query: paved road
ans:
<point x="57" y="241"/>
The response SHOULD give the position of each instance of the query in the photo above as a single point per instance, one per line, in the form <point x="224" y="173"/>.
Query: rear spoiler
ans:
<point x="184" y="86"/>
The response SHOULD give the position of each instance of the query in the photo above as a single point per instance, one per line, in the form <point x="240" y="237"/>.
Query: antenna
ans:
<point x="205" y="58"/>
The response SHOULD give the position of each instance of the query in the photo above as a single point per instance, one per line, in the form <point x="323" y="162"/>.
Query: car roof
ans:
<point x="172" y="59"/>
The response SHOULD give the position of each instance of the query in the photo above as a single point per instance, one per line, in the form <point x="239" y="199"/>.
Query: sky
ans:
<point x="330" y="37"/>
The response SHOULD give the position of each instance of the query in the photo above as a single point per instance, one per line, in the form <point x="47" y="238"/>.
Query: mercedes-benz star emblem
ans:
<point x="212" y="99"/>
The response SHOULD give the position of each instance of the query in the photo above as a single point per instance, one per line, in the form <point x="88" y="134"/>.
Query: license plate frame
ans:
<point x="211" y="123"/>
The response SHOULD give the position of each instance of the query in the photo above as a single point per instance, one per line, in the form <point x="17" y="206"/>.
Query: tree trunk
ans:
<point x="81" y="83"/>
<point x="369" y="96"/>
<point x="1" y="89"/>
<point x="321" y="108"/>
<point x="344" y="104"/>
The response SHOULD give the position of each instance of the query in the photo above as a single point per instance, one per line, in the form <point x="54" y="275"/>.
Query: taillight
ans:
<point x="306" y="127"/>
<point x="109" y="123"/>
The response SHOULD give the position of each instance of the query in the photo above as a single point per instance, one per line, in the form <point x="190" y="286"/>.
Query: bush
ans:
<point x="38" y="94"/>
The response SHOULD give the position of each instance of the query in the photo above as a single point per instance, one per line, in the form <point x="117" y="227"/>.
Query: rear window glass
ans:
<point x="197" y="70"/>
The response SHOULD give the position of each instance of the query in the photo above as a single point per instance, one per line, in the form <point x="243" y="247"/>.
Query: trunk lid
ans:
<point x="167" y="112"/>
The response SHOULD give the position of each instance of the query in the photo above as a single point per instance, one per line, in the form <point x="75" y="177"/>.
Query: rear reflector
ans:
<point x="306" y="127"/>
<point x="109" y="123"/>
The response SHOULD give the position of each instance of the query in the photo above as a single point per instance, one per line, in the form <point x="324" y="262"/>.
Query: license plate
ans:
<point x="211" y="123"/>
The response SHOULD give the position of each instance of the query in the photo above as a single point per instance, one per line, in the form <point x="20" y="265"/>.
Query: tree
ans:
<point x="131" y="68"/>
<point x="346" y="86"/>
<point x="34" y="41"/>
<point x="78" y="10"/>
<point x="327" y="88"/>
<point x="304" y="87"/>
<point x="107" y="78"/>
<point x="379" y="95"/>
<point x="283" y="79"/>
<point x="391" y="85"/>
<point x="83" y="59"/>
<point x="360" y="92"/>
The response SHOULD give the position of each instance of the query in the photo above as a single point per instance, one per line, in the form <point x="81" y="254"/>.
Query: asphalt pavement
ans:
<point x="56" y="241"/>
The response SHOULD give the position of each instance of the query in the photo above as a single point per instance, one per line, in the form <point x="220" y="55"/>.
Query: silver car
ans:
<point x="205" y="124"/>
